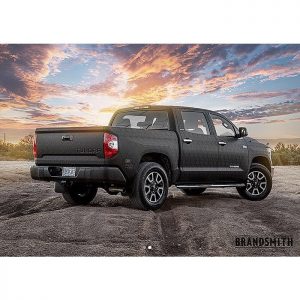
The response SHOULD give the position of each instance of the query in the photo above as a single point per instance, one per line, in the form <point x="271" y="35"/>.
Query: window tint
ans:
<point x="195" y="122"/>
<point x="141" y="119"/>
<point x="222" y="126"/>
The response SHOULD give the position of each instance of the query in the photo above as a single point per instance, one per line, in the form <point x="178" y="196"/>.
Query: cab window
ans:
<point x="222" y="126"/>
<point x="142" y="119"/>
<point x="195" y="122"/>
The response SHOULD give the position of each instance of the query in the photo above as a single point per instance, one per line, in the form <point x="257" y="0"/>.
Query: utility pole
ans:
<point x="4" y="137"/>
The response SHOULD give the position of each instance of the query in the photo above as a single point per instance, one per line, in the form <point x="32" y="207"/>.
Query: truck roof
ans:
<point x="167" y="107"/>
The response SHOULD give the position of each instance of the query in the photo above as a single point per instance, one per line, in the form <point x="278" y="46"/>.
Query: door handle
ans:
<point x="67" y="138"/>
<point x="222" y="143"/>
<point x="187" y="141"/>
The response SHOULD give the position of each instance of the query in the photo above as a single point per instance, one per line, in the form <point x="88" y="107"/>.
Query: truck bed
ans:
<point x="83" y="146"/>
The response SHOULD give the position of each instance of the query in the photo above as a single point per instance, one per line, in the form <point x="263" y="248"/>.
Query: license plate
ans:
<point x="68" y="172"/>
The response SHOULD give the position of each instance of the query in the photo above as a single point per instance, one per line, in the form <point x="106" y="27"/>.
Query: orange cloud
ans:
<point x="109" y="109"/>
<point x="236" y="77"/>
<point x="264" y="111"/>
<point x="155" y="72"/>
<point x="291" y="94"/>
<point x="107" y="87"/>
<point x="276" y="121"/>
<point x="158" y="72"/>
<point x="23" y="69"/>
<point x="166" y="71"/>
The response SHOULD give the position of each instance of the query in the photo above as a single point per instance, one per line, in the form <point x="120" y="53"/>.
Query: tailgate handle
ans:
<point x="67" y="138"/>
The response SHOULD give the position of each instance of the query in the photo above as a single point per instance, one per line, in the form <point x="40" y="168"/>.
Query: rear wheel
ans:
<point x="80" y="194"/>
<point x="193" y="192"/>
<point x="258" y="184"/>
<point x="150" y="187"/>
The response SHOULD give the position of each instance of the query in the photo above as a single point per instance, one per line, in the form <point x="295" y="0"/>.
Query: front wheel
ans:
<point x="80" y="194"/>
<point x="258" y="185"/>
<point x="150" y="188"/>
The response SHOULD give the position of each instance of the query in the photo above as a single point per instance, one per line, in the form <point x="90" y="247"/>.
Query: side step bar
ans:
<point x="197" y="186"/>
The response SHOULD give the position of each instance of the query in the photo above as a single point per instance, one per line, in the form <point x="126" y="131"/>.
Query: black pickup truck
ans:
<point x="145" y="150"/>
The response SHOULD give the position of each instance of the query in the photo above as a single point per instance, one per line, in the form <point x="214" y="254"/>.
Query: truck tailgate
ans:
<point x="68" y="146"/>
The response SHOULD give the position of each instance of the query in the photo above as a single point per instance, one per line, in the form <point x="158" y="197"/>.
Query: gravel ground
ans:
<point x="35" y="221"/>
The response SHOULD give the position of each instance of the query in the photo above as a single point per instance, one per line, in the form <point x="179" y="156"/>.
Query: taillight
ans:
<point x="110" y="145"/>
<point x="34" y="148"/>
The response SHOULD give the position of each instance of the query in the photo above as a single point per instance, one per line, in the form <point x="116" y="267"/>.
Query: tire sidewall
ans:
<point x="266" y="172"/>
<point x="145" y="172"/>
<point x="74" y="198"/>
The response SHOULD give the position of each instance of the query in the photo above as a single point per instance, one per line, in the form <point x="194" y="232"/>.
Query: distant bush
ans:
<point x="283" y="155"/>
<point x="21" y="150"/>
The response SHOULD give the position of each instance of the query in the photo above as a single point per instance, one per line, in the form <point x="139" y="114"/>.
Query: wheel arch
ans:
<point x="263" y="161"/>
<point x="161" y="159"/>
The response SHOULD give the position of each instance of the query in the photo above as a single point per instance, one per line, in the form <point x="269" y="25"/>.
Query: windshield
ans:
<point x="142" y="119"/>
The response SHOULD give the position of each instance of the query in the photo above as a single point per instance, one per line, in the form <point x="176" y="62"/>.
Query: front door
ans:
<point x="233" y="152"/>
<point x="199" y="148"/>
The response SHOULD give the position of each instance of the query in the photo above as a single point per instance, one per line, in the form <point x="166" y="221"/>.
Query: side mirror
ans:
<point x="243" y="131"/>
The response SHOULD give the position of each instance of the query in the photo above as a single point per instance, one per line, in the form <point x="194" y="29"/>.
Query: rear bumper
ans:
<point x="83" y="174"/>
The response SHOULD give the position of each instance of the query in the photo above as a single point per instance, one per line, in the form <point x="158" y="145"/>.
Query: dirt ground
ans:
<point x="35" y="221"/>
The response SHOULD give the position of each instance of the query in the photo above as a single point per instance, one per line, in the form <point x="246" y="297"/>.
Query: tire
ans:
<point x="80" y="194"/>
<point x="258" y="185"/>
<point x="193" y="192"/>
<point x="149" y="189"/>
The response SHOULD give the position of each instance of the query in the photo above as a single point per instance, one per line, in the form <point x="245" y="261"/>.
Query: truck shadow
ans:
<point x="174" y="200"/>
<point x="205" y="200"/>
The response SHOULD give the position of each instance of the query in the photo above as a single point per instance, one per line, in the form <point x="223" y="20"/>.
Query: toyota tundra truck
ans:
<point x="145" y="150"/>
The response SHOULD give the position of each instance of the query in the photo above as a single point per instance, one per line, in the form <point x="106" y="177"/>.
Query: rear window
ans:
<point x="142" y="119"/>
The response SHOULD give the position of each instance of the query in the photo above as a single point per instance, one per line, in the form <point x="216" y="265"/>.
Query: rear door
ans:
<point x="198" y="145"/>
<point x="233" y="152"/>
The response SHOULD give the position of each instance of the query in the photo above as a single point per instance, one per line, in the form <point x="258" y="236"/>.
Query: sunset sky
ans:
<point x="257" y="86"/>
